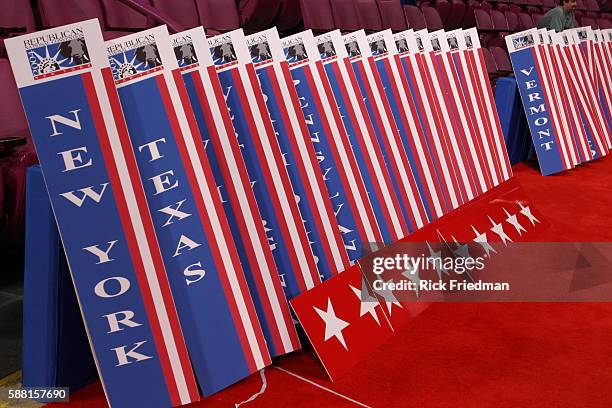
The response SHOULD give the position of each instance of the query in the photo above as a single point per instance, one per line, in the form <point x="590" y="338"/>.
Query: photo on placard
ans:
<point x="327" y="50"/>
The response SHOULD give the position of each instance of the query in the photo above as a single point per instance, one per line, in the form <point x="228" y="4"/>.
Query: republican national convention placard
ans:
<point x="100" y="207"/>
<point x="298" y="151"/>
<point x="264" y="162"/>
<point x="234" y="187"/>
<point x="198" y="250"/>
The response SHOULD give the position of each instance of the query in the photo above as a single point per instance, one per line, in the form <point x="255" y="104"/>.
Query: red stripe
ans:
<point x="412" y="187"/>
<point x="489" y="96"/>
<point x="237" y="210"/>
<point x="293" y="103"/>
<point x="312" y="156"/>
<point x="427" y="139"/>
<point x="460" y="78"/>
<point x="124" y="214"/>
<point x="338" y="163"/>
<point x="369" y="162"/>
<point x="206" y="222"/>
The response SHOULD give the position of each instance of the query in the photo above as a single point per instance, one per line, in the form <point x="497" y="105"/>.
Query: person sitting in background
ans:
<point x="560" y="18"/>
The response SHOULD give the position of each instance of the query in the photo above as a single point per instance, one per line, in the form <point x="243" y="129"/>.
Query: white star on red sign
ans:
<point x="481" y="239"/>
<point x="526" y="211"/>
<point x="499" y="230"/>
<point x="333" y="325"/>
<point x="513" y="220"/>
<point x="367" y="302"/>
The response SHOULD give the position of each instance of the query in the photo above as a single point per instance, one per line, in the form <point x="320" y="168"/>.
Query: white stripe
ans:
<point x="251" y="220"/>
<point x="493" y="119"/>
<point x="434" y="130"/>
<point x="429" y="58"/>
<point x="390" y="135"/>
<point x="142" y="241"/>
<point x="281" y="193"/>
<point x="604" y="74"/>
<point x="221" y="240"/>
<point x="405" y="106"/>
<point x="463" y="117"/>
<point x="551" y="107"/>
<point x="472" y="92"/>
<point x="371" y="154"/>
<point x="319" y="196"/>
<point x="337" y="141"/>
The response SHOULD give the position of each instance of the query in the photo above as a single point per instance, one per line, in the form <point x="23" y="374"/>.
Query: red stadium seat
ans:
<point x="536" y="18"/>
<point x="368" y="15"/>
<point x="499" y="21"/>
<point x="217" y="16"/>
<point x="345" y="15"/>
<point x="525" y="22"/>
<point x="16" y="18"/>
<point x="483" y="20"/>
<point x="512" y="20"/>
<point x="289" y="16"/>
<point x="469" y="20"/>
<point x="489" y="62"/>
<point x="516" y="9"/>
<point x="317" y="15"/>
<point x="456" y="14"/>
<point x="550" y="3"/>
<point x="255" y="15"/>
<point x="414" y="17"/>
<point x="503" y="7"/>
<point x="432" y="18"/>
<point x="186" y="15"/>
<point x="578" y="16"/>
<point x="592" y="5"/>
<point x="588" y="21"/>
<point x="392" y="15"/>
<point x="535" y="3"/>
<point x="604" y="24"/>
<point x="12" y="118"/>
<point x="534" y="10"/>
<point x="581" y="5"/>
<point x="55" y="13"/>
<point x="443" y="7"/>
<point x="502" y="60"/>
<point x="121" y="17"/>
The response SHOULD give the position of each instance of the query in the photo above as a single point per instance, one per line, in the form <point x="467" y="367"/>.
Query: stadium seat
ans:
<point x="368" y="15"/>
<point x="503" y="7"/>
<point x="456" y="14"/>
<point x="121" y="17"/>
<point x="490" y="62"/>
<point x="486" y="6"/>
<point x="525" y="21"/>
<point x="588" y="21"/>
<point x="12" y="118"/>
<point x="592" y="5"/>
<point x="512" y="20"/>
<point x="392" y="15"/>
<point x="499" y="21"/>
<point x="536" y="18"/>
<point x="186" y="15"/>
<point x="502" y="60"/>
<point x="516" y="9"/>
<point x="16" y="18"/>
<point x="414" y="17"/>
<point x="549" y="3"/>
<point x="469" y="20"/>
<point x="55" y="13"/>
<point x="483" y="20"/>
<point x="289" y="16"/>
<point x="604" y="24"/>
<point x="345" y="15"/>
<point x="317" y="15"/>
<point x="578" y="16"/>
<point x="444" y="8"/>
<point x="432" y="18"/>
<point x="534" y="10"/>
<point x="255" y="15"/>
<point x="217" y="16"/>
<point x="534" y="3"/>
<point x="580" y="5"/>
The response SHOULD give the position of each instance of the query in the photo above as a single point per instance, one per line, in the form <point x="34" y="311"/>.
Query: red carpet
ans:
<point x="473" y="355"/>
